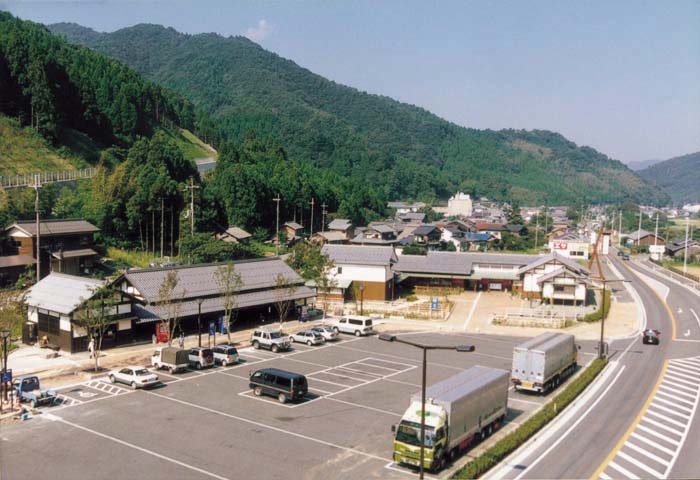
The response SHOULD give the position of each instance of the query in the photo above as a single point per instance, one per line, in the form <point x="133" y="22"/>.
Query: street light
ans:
<point x="388" y="337"/>
<point x="199" y="321"/>
<point x="602" y="319"/>
<point x="362" y="298"/>
<point x="4" y="334"/>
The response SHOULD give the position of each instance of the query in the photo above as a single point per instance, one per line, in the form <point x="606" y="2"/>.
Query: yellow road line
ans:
<point x="632" y="427"/>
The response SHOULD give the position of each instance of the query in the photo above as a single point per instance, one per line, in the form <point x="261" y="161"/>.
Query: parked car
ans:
<point x="620" y="253"/>
<point x="625" y="256"/>
<point x="278" y="383"/>
<point x="28" y="389"/>
<point x="326" y="331"/>
<point x="225" y="354"/>
<point x="651" y="336"/>
<point x="308" y="337"/>
<point x="354" y="324"/>
<point x="310" y="314"/>
<point x="201" y="357"/>
<point x="136" y="377"/>
<point x="172" y="358"/>
<point x="271" y="339"/>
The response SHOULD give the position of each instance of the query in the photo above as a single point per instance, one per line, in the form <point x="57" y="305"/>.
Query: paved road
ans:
<point x="614" y="435"/>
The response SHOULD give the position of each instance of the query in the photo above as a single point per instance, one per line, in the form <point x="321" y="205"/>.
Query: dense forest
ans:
<point x="403" y="151"/>
<point x="679" y="176"/>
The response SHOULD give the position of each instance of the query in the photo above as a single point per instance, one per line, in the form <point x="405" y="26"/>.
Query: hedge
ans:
<point x="532" y="425"/>
<point x="598" y="314"/>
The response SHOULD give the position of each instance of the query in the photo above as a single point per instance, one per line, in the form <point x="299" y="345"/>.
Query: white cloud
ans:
<point x="261" y="31"/>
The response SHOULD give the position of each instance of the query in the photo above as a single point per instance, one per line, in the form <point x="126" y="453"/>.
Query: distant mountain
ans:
<point x="403" y="150"/>
<point x="678" y="176"/>
<point x="642" y="164"/>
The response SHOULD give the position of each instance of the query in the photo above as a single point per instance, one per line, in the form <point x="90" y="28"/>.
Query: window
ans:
<point x="49" y="324"/>
<point x="125" y="371"/>
<point x="355" y="322"/>
<point x="340" y="270"/>
<point x="284" y="382"/>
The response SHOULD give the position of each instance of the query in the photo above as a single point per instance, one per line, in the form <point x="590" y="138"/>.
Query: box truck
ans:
<point x="543" y="362"/>
<point x="458" y="411"/>
<point x="171" y="358"/>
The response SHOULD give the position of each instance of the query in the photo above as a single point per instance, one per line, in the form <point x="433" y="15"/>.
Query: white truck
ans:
<point x="171" y="358"/>
<point x="543" y="362"/>
<point x="458" y="411"/>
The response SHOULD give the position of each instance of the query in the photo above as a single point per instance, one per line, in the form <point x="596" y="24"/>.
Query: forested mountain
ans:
<point x="403" y="151"/>
<point x="678" y="176"/>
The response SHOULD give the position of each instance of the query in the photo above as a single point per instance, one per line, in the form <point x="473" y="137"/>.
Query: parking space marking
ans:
<point x="401" y="358"/>
<point x="141" y="449"/>
<point x="668" y="417"/>
<point x="529" y="402"/>
<point x="106" y="387"/>
<point x="66" y="401"/>
<point x="270" y="427"/>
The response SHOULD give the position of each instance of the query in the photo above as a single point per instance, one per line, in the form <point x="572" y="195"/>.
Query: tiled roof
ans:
<point x="55" y="227"/>
<point x="332" y="236"/>
<point x="340" y="224"/>
<point x="61" y="293"/>
<point x="444" y="263"/>
<point x="424" y="230"/>
<point x="82" y="252"/>
<point x="293" y="225"/>
<point x="571" y="264"/>
<point x="561" y="271"/>
<point x="381" y="228"/>
<point x="360" y="255"/>
<point x="16" y="260"/>
<point x="196" y="281"/>
<point x="237" y="233"/>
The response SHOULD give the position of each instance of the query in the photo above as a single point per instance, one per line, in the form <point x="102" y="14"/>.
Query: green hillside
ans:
<point x="403" y="150"/>
<point x="678" y="176"/>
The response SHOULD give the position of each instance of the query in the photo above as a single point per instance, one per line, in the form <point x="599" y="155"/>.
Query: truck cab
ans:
<point x="407" y="438"/>
<point x="28" y="389"/>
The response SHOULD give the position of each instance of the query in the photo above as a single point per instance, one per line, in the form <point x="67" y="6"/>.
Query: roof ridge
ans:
<point x="200" y="265"/>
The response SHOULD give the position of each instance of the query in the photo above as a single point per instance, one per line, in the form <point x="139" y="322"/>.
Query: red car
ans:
<point x="651" y="336"/>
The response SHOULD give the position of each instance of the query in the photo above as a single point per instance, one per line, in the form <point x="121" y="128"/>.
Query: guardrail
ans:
<point x="535" y="318"/>
<point x="686" y="279"/>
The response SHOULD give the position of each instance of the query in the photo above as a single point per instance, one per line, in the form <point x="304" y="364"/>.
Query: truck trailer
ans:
<point x="458" y="411"/>
<point x="543" y="362"/>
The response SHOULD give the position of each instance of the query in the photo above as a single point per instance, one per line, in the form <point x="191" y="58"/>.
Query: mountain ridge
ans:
<point x="405" y="150"/>
<point x="678" y="176"/>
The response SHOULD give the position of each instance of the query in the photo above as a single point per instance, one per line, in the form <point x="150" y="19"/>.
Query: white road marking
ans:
<point x="671" y="404"/>
<point x="652" y="443"/>
<point x="664" y="417"/>
<point x="140" y="449"/>
<point x="471" y="312"/>
<point x="697" y="319"/>
<point x="270" y="427"/>
<point x="676" y="372"/>
<point x="661" y="425"/>
<point x="365" y="407"/>
<point x="675" y="391"/>
<point x="529" y="402"/>
<point x="604" y="476"/>
<point x="657" y="434"/>
<point x="647" y="453"/>
<point x="676" y="399"/>
<point x="623" y="471"/>
<point x="639" y="464"/>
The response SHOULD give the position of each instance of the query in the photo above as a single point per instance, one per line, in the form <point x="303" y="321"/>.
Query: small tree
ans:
<point x="325" y="284"/>
<point x="168" y="304"/>
<point x="95" y="316"/>
<point x="230" y="283"/>
<point x="284" y="289"/>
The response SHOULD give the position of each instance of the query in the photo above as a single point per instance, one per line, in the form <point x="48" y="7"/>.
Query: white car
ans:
<point x="137" y="377"/>
<point x="308" y="337"/>
<point x="326" y="332"/>
<point x="225" y="354"/>
<point x="354" y="324"/>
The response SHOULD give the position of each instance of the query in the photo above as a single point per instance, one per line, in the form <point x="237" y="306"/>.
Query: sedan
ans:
<point x="137" y="377"/>
<point x="308" y="337"/>
<point x="326" y="332"/>
<point x="651" y="336"/>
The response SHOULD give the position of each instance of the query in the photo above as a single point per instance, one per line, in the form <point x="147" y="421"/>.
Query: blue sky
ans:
<point x="622" y="76"/>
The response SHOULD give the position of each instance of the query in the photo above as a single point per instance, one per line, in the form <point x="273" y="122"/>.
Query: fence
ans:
<point x="31" y="179"/>
<point x="686" y="279"/>
<point x="536" y="318"/>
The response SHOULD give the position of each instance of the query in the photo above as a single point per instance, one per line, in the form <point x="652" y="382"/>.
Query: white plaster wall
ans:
<point x="365" y="273"/>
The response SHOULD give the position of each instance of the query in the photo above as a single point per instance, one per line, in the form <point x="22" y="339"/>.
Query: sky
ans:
<point x="622" y="76"/>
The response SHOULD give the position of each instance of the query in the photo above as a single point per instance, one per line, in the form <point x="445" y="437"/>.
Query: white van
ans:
<point x="354" y="324"/>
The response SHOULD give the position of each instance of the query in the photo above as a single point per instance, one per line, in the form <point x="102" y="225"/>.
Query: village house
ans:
<point x="294" y="231"/>
<point x="362" y="272"/>
<point x="555" y="278"/>
<point x="677" y="249"/>
<point x="427" y="235"/>
<point x="235" y="234"/>
<point x="376" y="234"/>
<point x="67" y="246"/>
<point x="405" y="207"/>
<point x="411" y="217"/>
<point x="342" y="226"/>
<point x="643" y="237"/>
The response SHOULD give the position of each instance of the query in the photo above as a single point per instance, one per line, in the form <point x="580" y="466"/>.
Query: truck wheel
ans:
<point x="133" y="385"/>
<point x="112" y="379"/>
<point x="275" y="349"/>
<point x="358" y="333"/>
<point x="257" y="391"/>
<point x="256" y="345"/>
<point x="439" y="462"/>
<point x="282" y="398"/>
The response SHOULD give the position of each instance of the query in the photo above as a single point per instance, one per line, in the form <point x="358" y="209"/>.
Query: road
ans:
<point x="641" y="421"/>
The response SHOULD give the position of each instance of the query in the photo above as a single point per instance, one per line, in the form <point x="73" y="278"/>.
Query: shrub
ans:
<point x="515" y="439"/>
<point x="411" y="298"/>
<point x="598" y="314"/>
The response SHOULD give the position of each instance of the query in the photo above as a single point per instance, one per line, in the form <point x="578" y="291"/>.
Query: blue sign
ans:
<point x="6" y="376"/>
<point x="222" y="325"/>
<point x="434" y="304"/>
<point x="212" y="328"/>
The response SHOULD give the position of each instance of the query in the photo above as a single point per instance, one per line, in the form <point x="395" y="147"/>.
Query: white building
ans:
<point x="459" y="204"/>
<point x="570" y="245"/>
<point x="555" y="278"/>
<point x="363" y="268"/>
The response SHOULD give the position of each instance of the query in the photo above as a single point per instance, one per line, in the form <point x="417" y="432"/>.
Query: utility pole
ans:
<point x="656" y="230"/>
<point x="323" y="217"/>
<point x="162" y="226"/>
<point x="685" y="254"/>
<point x="312" y="217"/>
<point x="192" y="188"/>
<point x="537" y="226"/>
<point x="619" y="232"/>
<point x="37" y="185"/>
<point x="277" y="229"/>
<point x="639" y="230"/>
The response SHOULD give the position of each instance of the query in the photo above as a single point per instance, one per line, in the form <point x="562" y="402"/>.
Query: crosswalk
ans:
<point x="652" y="448"/>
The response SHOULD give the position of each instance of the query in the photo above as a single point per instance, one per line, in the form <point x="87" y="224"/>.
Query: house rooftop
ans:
<point x="61" y="293"/>
<point x="54" y="227"/>
<point x="294" y="225"/>
<point x="340" y="224"/>
<point x="360" y="255"/>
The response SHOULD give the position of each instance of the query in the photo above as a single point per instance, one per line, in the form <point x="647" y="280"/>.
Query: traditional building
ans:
<point x="555" y="278"/>
<point x="570" y="245"/>
<point x="235" y="234"/>
<point x="365" y="269"/>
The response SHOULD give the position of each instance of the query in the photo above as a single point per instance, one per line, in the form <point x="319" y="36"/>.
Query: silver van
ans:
<point x="354" y="324"/>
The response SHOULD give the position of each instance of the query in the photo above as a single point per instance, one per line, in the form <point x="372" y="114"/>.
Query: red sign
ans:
<point x="162" y="332"/>
<point x="560" y="245"/>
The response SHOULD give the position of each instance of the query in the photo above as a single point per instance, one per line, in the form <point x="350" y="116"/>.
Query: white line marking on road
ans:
<point x="639" y="464"/>
<point x="690" y="366"/>
<point x="675" y="398"/>
<point x="697" y="319"/>
<point x="657" y="434"/>
<point x="685" y="340"/>
<point x="664" y="417"/>
<point x="401" y="358"/>
<point x="270" y="427"/>
<point x="681" y="384"/>
<point x="676" y="391"/>
<point x="309" y="376"/>
<point x="572" y="427"/>
<point x="661" y="425"/>
<point x="365" y="407"/>
<point x="471" y="312"/>
<point x="672" y="404"/>
<point x="668" y="410"/>
<point x="530" y="402"/>
<point x="623" y="471"/>
<point x="647" y="453"/>
<point x="652" y="443"/>
<point x="604" y="476"/>
<point x="141" y="449"/>
<point x="678" y="372"/>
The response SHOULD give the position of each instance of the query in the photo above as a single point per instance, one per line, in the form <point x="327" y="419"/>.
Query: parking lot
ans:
<point x="208" y="424"/>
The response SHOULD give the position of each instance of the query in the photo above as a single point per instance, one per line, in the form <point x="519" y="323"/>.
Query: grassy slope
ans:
<point x="192" y="147"/>
<point x="679" y="176"/>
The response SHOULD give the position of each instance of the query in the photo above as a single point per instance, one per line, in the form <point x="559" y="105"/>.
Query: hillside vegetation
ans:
<point x="401" y="150"/>
<point x="678" y="176"/>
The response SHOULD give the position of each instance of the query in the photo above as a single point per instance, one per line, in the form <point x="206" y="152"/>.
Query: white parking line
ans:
<point x="365" y="407"/>
<point x="270" y="427"/>
<point x="140" y="449"/>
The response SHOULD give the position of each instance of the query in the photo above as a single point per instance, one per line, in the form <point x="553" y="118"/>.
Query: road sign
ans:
<point x="434" y="303"/>
<point x="212" y="328"/>
<point x="6" y="376"/>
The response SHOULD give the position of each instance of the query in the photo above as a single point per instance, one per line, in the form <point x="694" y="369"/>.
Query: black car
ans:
<point x="620" y="253"/>
<point x="651" y="336"/>
<point x="278" y="383"/>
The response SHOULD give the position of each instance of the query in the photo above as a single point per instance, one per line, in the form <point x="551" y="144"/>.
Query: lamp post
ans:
<point x="388" y="337"/>
<point x="199" y="321"/>
<point x="602" y="319"/>
<point x="5" y="334"/>
<point x="362" y="298"/>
